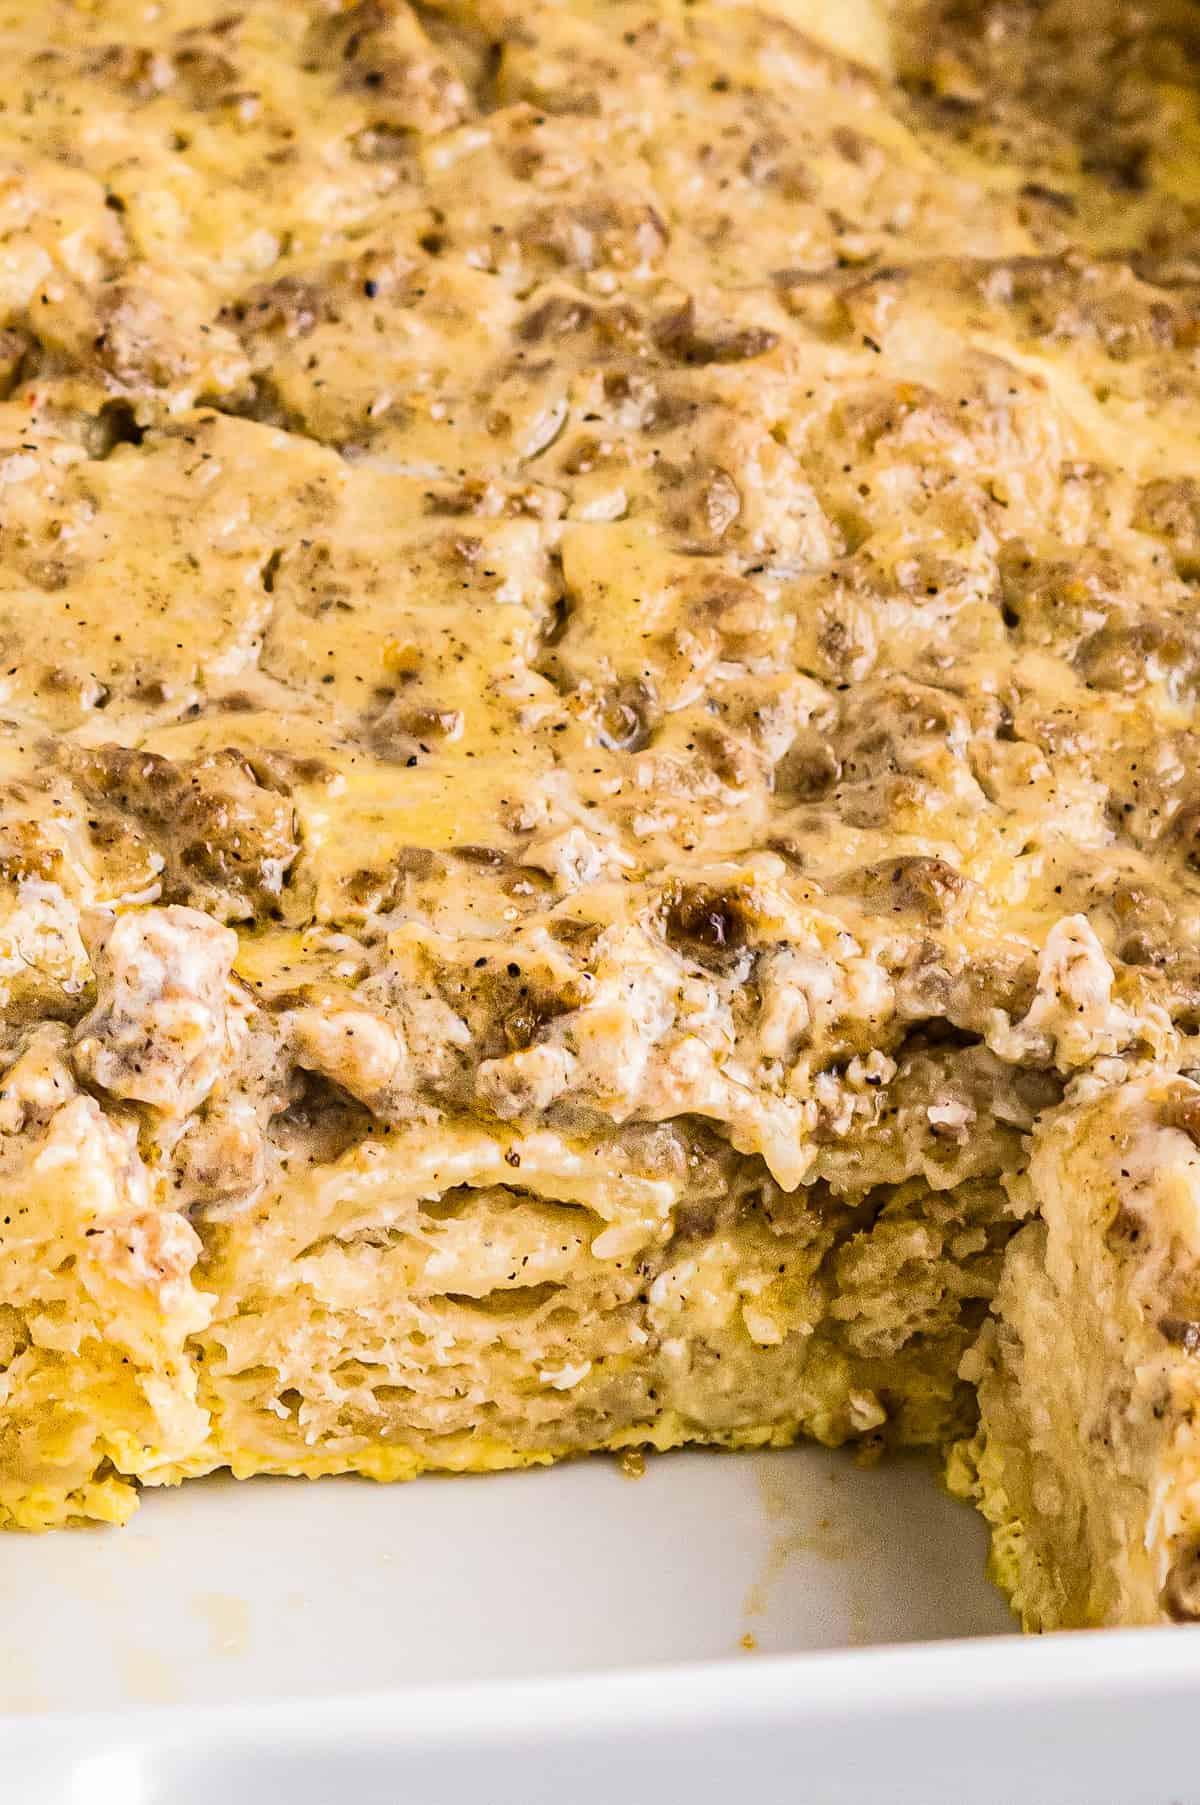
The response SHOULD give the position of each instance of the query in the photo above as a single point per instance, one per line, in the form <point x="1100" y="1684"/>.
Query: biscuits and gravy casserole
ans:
<point x="599" y="761"/>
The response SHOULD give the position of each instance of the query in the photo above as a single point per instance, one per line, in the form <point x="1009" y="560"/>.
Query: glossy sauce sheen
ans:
<point x="598" y="776"/>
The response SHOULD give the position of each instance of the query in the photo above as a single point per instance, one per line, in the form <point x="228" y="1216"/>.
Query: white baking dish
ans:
<point x="570" y="1636"/>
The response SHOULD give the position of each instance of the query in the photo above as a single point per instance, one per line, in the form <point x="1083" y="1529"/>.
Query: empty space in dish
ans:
<point x="221" y="1592"/>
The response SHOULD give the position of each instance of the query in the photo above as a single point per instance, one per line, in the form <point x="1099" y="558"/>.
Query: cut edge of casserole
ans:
<point x="598" y="809"/>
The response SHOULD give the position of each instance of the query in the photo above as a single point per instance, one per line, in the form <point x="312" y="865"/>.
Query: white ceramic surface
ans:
<point x="569" y="1636"/>
<point x="219" y="1592"/>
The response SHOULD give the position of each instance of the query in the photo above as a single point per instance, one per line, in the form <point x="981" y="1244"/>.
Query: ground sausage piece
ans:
<point x="705" y="924"/>
<point x="1170" y="509"/>
<point x="928" y="887"/>
<point x="682" y="337"/>
<point x="1181" y="1594"/>
<point x="227" y="839"/>
<point x="157" y="1032"/>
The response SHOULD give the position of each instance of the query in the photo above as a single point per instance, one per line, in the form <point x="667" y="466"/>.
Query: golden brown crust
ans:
<point x="594" y="589"/>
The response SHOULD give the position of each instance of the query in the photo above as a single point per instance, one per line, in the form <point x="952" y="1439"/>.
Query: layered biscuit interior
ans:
<point x="599" y="840"/>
